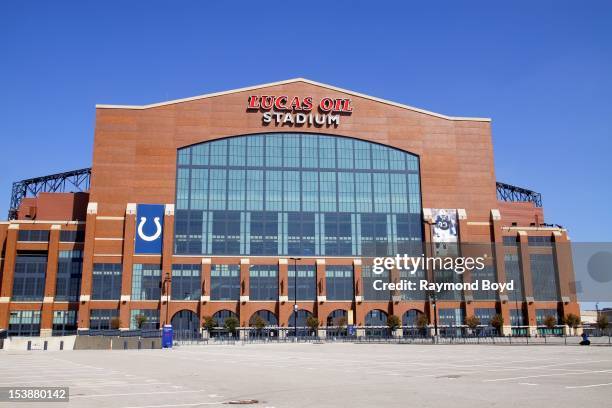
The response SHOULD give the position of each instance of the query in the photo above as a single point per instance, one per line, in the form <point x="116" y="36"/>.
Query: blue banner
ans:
<point x="149" y="229"/>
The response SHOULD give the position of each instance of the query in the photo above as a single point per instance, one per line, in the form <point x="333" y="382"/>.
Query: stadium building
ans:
<point x="233" y="204"/>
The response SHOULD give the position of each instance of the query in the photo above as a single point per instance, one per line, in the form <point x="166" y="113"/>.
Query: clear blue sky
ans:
<point x="542" y="70"/>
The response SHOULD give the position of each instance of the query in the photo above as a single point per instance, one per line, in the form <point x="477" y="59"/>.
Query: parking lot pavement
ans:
<point x="321" y="375"/>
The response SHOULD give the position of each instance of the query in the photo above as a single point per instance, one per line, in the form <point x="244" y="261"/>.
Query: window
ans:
<point x="376" y="318"/>
<point x="296" y="194"/>
<point x="225" y="282"/>
<point x="485" y="315"/>
<point x="221" y="315"/>
<point x="146" y="282"/>
<point x="478" y="275"/>
<point x="33" y="235"/>
<point x="517" y="317"/>
<point x="69" y="272"/>
<point x="29" y="277"/>
<point x="72" y="236"/>
<point x="106" y="281"/>
<point x="368" y="279"/>
<point x="151" y="322"/>
<point x="101" y="319"/>
<point x="263" y="282"/>
<point x="510" y="241"/>
<point x="306" y="282"/>
<point x="64" y="322"/>
<point x="339" y="282"/>
<point x="451" y="317"/>
<point x="540" y="241"/>
<point x="24" y="323"/>
<point x="544" y="277"/>
<point x="513" y="273"/>
<point x="186" y="282"/>
<point x="448" y="276"/>
<point x="542" y="314"/>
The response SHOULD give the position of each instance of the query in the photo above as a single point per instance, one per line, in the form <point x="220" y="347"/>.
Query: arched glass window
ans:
<point x="411" y="317"/>
<point x="302" y="315"/>
<point x="266" y="315"/>
<point x="376" y="317"/>
<point x="221" y="315"/>
<point x="336" y="317"/>
<point x="296" y="194"/>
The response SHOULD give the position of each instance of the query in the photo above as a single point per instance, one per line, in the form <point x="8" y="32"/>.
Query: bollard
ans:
<point x="45" y="345"/>
<point x="29" y="345"/>
<point x="61" y="344"/>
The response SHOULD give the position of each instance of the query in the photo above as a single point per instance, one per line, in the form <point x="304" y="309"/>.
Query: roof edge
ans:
<point x="288" y="81"/>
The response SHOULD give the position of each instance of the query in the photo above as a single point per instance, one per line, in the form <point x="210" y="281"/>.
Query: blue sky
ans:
<point x="542" y="71"/>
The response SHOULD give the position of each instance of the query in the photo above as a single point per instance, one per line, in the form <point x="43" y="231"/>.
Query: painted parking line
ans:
<point x="127" y="394"/>
<point x="195" y="404"/>
<point x="548" y="375"/>
<point x="588" y="386"/>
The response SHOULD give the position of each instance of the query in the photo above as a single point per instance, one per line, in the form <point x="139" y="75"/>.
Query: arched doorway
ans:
<point x="376" y="323"/>
<point x="220" y="317"/>
<point x="302" y="328"/>
<point x="185" y="325"/>
<point x="337" y="323"/>
<point x="263" y="323"/>
<point x="410" y="323"/>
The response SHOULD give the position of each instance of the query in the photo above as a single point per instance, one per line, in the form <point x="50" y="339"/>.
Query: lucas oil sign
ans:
<point x="149" y="229"/>
<point x="285" y="110"/>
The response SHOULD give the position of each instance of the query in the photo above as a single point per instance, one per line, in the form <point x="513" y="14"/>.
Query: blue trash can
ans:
<point x="167" y="336"/>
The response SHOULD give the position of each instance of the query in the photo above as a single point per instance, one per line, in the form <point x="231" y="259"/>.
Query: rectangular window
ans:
<point x="452" y="317"/>
<point x="327" y="152"/>
<point x="106" y="281"/>
<point x="186" y="282"/>
<point x="263" y="282"/>
<point x="291" y="150"/>
<point x="69" y="272"/>
<point x="29" y="277"/>
<point x="146" y="282"/>
<point x="64" y="322"/>
<point x="72" y="236"/>
<point x="102" y="319"/>
<point x="542" y="314"/>
<point x="306" y="282"/>
<point x="225" y="282"/>
<point x="33" y="235"/>
<point x="339" y="282"/>
<point x="24" y="323"/>
<point x="540" y="241"/>
<point x="487" y="273"/>
<point x="264" y="233"/>
<point x="368" y="279"/>
<point x="218" y="153"/>
<point x="327" y="185"/>
<point x="485" y="315"/>
<point x="544" y="277"/>
<point x="148" y="321"/>
<point x="513" y="273"/>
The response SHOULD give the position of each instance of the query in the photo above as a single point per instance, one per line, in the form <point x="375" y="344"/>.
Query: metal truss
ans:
<point x="508" y="192"/>
<point x="70" y="181"/>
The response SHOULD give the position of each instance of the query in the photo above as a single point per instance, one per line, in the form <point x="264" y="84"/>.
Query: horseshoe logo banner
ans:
<point x="149" y="228"/>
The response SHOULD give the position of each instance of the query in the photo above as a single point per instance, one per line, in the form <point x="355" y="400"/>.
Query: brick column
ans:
<point x="359" y="308"/>
<point x="465" y="250"/>
<point x="529" y="309"/>
<point x="321" y="285"/>
<point x="244" y="279"/>
<point x="46" y="315"/>
<point x="565" y="273"/>
<point x="6" y="292"/>
<point x="500" y="267"/>
<point x="283" y="280"/>
<point x="87" y="275"/>
<point x="166" y="264"/>
<point x="129" y="231"/>
<point x="428" y="307"/>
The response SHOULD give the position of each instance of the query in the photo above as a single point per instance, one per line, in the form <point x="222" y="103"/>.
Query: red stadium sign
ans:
<point x="287" y="110"/>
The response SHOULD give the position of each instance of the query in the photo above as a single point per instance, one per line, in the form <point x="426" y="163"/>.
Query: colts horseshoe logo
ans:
<point x="149" y="238"/>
